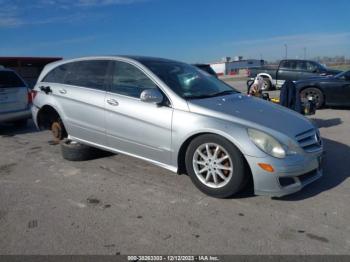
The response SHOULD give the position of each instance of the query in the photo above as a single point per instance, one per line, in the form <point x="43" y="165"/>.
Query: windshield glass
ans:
<point x="341" y="74"/>
<point x="188" y="81"/>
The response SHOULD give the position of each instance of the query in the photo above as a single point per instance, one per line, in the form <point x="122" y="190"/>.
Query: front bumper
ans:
<point x="290" y="175"/>
<point x="15" y="116"/>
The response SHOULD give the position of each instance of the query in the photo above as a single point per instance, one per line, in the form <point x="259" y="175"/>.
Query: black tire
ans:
<point x="239" y="176"/>
<point x="315" y="93"/>
<point x="267" y="85"/>
<point x="74" y="151"/>
<point x="20" y="123"/>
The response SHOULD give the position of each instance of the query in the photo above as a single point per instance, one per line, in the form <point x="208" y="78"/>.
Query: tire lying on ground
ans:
<point x="74" y="151"/>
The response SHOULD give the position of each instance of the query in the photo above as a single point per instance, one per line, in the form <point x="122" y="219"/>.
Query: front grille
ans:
<point x="309" y="140"/>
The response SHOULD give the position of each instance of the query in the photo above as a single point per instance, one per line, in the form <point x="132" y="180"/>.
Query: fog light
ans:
<point x="266" y="167"/>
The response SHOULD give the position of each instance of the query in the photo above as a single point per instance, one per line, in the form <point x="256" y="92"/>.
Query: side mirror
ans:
<point x="151" y="96"/>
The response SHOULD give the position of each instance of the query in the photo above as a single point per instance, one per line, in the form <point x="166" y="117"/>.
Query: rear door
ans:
<point x="13" y="92"/>
<point x="80" y="89"/>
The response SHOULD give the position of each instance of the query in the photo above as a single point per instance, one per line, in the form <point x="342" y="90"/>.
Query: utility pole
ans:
<point x="286" y="47"/>
<point x="304" y="52"/>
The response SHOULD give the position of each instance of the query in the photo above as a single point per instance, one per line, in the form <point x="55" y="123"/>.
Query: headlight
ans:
<point x="267" y="143"/>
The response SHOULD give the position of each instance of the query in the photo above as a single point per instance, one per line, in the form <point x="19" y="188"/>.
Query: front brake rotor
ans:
<point x="56" y="129"/>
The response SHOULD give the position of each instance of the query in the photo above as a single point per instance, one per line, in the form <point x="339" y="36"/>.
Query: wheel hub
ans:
<point x="56" y="130"/>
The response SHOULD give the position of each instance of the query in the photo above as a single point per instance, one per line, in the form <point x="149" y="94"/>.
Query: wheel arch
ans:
<point x="181" y="155"/>
<point x="47" y="115"/>
<point x="265" y="75"/>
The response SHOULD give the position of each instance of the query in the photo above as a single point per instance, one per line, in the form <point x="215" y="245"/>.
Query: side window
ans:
<point x="288" y="64"/>
<point x="312" y="67"/>
<point x="58" y="74"/>
<point x="129" y="81"/>
<point x="301" y="65"/>
<point x="91" y="74"/>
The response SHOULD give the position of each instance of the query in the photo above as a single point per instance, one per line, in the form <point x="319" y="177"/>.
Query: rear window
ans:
<point x="10" y="79"/>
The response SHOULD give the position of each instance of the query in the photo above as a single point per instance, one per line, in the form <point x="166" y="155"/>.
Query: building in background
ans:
<point x="28" y="68"/>
<point x="237" y="66"/>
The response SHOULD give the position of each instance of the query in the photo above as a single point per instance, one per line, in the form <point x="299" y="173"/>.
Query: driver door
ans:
<point x="133" y="126"/>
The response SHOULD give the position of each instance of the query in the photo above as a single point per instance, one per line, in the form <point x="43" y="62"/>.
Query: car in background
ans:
<point x="15" y="98"/>
<point x="207" y="68"/>
<point x="290" y="69"/>
<point x="326" y="91"/>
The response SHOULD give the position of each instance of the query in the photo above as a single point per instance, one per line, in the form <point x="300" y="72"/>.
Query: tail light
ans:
<point x="31" y="96"/>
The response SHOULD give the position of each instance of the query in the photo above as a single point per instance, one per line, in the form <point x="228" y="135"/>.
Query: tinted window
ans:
<point x="312" y="67"/>
<point x="91" y="74"/>
<point x="291" y="65"/>
<point x="129" y="80"/>
<point x="10" y="79"/>
<point x="301" y="65"/>
<point x="58" y="74"/>
<point x="188" y="81"/>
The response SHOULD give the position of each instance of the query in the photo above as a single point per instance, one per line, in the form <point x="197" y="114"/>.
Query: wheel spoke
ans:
<point x="222" y="159"/>
<point x="222" y="167"/>
<point x="203" y="170"/>
<point x="215" y="178"/>
<point x="216" y="152"/>
<point x="204" y="157"/>
<point x="202" y="163"/>
<point x="208" y="150"/>
<point x="221" y="175"/>
<point x="208" y="176"/>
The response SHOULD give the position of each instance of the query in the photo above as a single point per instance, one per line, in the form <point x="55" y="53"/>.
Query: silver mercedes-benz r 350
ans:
<point x="181" y="118"/>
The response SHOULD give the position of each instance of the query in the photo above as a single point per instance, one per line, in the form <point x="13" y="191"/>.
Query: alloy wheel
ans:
<point x="212" y="165"/>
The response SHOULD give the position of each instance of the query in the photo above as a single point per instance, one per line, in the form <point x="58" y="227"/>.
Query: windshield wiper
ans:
<point x="226" y="92"/>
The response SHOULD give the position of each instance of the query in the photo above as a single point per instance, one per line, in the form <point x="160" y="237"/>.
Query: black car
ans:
<point x="331" y="90"/>
<point x="206" y="68"/>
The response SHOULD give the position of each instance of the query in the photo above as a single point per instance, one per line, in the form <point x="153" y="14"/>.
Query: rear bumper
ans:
<point x="290" y="176"/>
<point x="15" y="116"/>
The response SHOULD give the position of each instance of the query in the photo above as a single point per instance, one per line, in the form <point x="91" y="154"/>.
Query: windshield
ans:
<point x="342" y="74"/>
<point x="188" y="81"/>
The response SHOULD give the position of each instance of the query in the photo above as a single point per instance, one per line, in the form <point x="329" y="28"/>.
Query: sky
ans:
<point x="187" y="30"/>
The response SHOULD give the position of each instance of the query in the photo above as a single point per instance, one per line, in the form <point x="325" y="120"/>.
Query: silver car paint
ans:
<point x="156" y="134"/>
<point x="14" y="102"/>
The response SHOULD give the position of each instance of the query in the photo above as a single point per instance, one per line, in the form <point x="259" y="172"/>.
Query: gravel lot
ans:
<point x="119" y="205"/>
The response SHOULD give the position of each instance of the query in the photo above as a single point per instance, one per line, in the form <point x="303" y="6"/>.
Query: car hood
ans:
<point x="252" y="112"/>
<point x="333" y="71"/>
<point x="316" y="78"/>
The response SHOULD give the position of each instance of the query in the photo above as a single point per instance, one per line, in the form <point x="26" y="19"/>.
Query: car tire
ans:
<point x="74" y="151"/>
<point x="315" y="93"/>
<point x="266" y="85"/>
<point x="20" y="123"/>
<point x="234" y="179"/>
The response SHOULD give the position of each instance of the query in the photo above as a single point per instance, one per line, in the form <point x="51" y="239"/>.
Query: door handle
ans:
<point x="63" y="91"/>
<point x="112" y="102"/>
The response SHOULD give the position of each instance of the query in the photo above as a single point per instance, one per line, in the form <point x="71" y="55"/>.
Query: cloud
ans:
<point x="12" y="12"/>
<point x="326" y="43"/>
